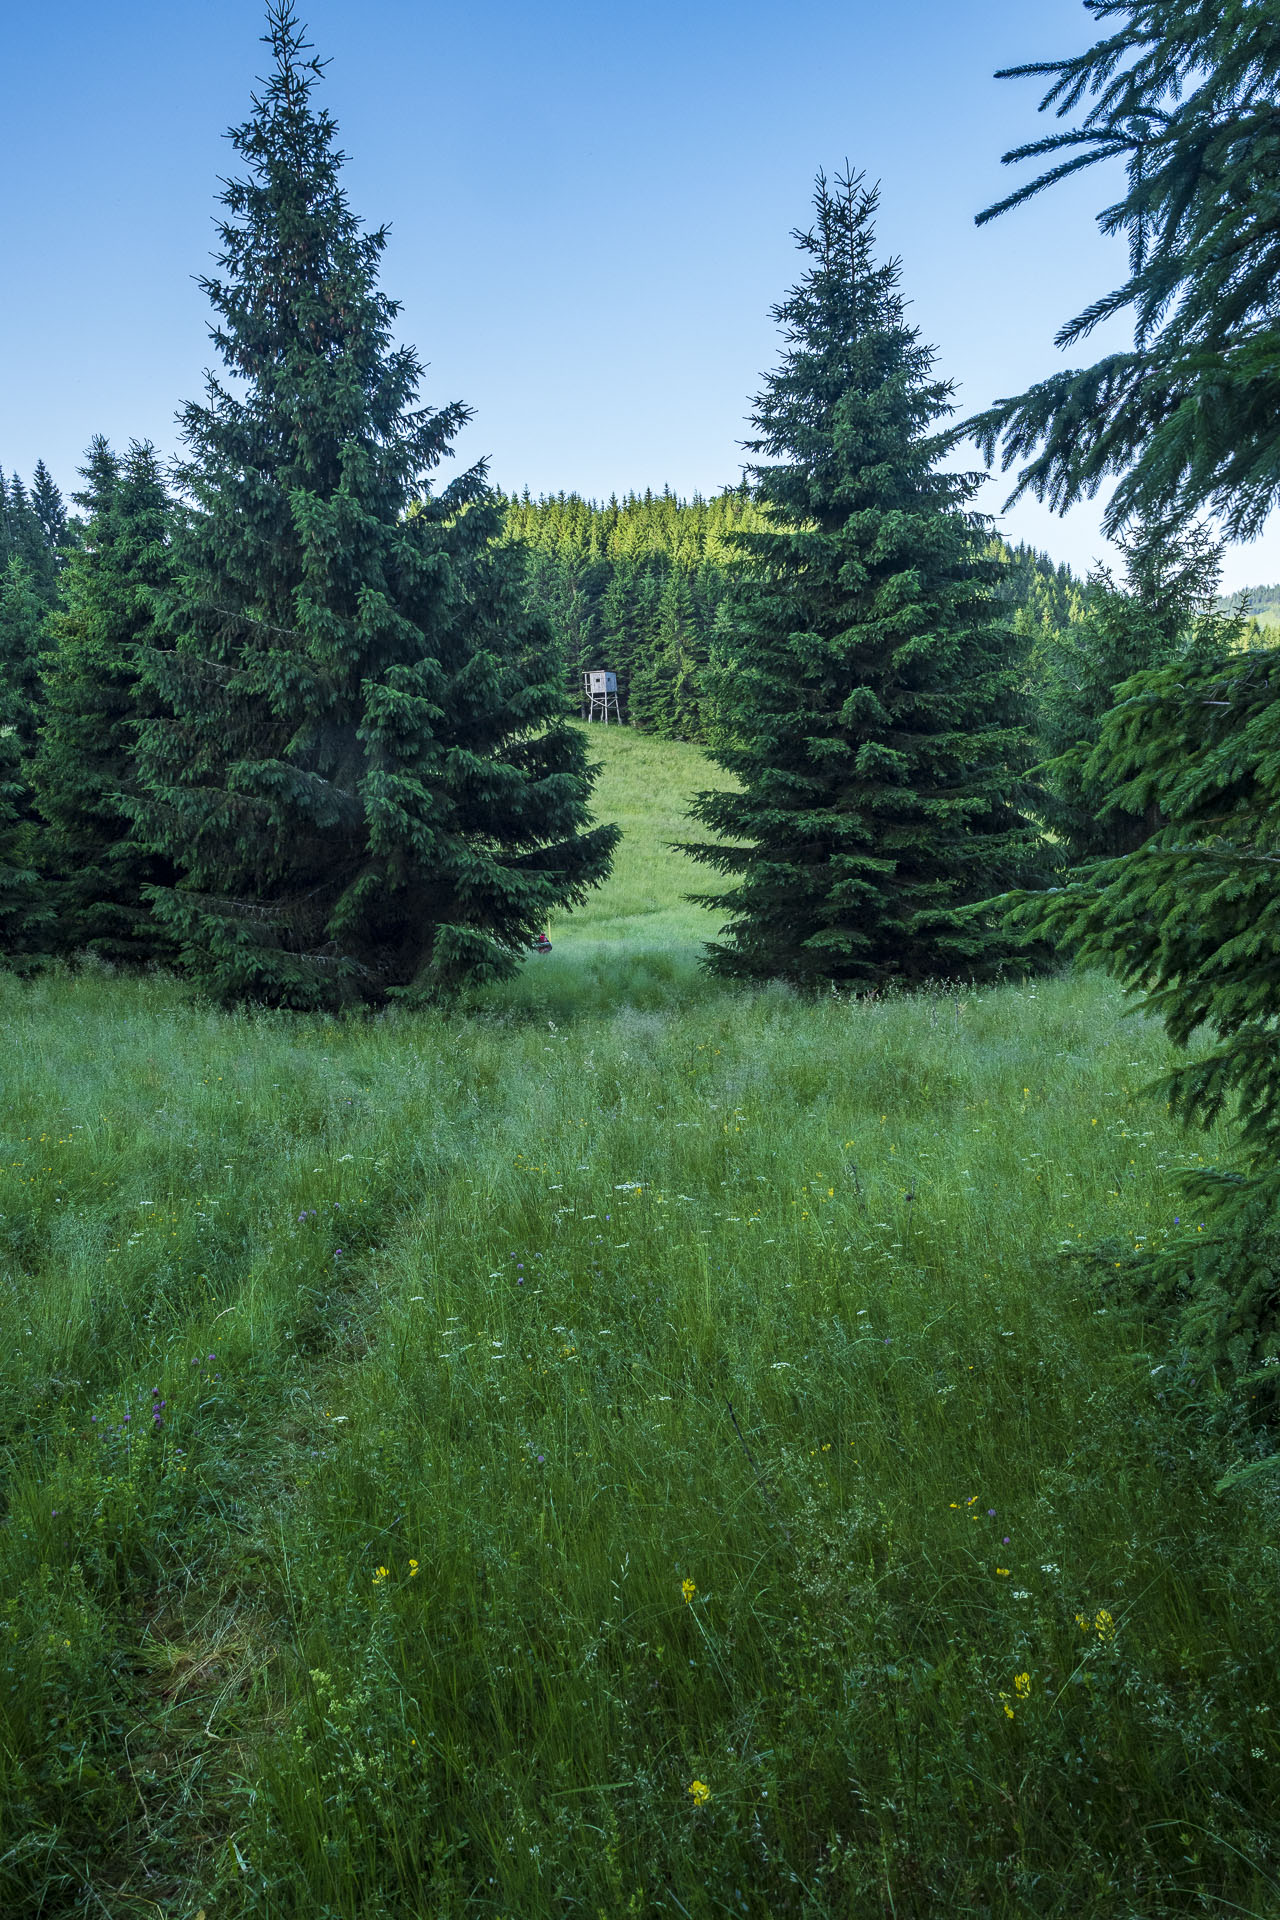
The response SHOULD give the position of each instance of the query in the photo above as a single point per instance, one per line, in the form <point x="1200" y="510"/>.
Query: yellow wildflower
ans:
<point x="413" y="1569"/>
<point x="1106" y="1626"/>
<point x="1008" y="1711"/>
<point x="688" y="1589"/>
<point x="700" y="1791"/>
<point x="380" y="1574"/>
<point x="1022" y="1685"/>
<point x="1003" y="1572"/>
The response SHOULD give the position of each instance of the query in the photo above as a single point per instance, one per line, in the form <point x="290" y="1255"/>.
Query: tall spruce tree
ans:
<point x="873" y="698"/>
<point x="366" y="778"/>
<point x="22" y="537"/>
<point x="85" y="766"/>
<point x="669" y="688"/>
<point x="28" y="586"/>
<point x="49" y="508"/>
<point x="36" y="539"/>
<point x="618" y="627"/>
<point x="682" y="638"/>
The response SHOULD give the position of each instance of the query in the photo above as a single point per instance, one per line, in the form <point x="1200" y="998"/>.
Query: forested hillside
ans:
<point x="1262" y="603"/>
<point x="637" y="584"/>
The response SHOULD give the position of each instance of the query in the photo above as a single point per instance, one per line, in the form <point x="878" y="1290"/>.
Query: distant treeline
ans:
<point x="1261" y="603"/>
<point x="638" y="585"/>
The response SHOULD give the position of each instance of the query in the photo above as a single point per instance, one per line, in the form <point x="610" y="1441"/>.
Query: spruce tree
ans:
<point x="23" y="612"/>
<point x="618" y="626"/>
<point x="50" y="511"/>
<point x="25" y="538"/>
<point x="25" y="913"/>
<point x="85" y="767"/>
<point x="668" y="688"/>
<point x="646" y="600"/>
<point x="873" y="698"/>
<point x="27" y="587"/>
<point x="681" y="639"/>
<point x="24" y="910"/>
<point x="365" y="777"/>
<point x="1190" y="922"/>
<point x="647" y="694"/>
<point x="1163" y="611"/>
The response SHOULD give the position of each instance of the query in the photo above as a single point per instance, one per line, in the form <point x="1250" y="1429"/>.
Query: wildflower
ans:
<point x="1104" y="1625"/>
<point x="1008" y="1711"/>
<point x="1022" y="1685"/>
<point x="413" y="1569"/>
<point x="688" y="1589"/>
<point x="1082" y="1623"/>
<point x="700" y="1791"/>
<point x="380" y="1574"/>
<point x="1003" y="1572"/>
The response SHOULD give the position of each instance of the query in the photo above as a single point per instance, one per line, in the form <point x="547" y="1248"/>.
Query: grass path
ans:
<point x="645" y="787"/>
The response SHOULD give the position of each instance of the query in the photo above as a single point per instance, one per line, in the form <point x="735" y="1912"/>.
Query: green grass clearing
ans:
<point x="469" y="1299"/>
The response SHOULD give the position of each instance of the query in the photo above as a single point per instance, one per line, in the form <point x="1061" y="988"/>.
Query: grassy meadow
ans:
<point x="630" y="1446"/>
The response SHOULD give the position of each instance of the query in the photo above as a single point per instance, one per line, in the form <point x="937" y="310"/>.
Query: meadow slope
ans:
<point x="631" y="1446"/>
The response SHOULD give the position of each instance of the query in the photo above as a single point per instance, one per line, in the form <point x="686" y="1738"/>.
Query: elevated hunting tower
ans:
<point x="600" y="696"/>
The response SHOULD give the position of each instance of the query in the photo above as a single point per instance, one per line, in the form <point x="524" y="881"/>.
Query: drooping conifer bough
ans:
<point x="1186" y="94"/>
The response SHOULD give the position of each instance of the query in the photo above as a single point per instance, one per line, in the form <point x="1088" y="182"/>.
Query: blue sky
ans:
<point x="590" y="206"/>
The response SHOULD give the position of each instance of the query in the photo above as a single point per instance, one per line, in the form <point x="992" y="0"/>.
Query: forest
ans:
<point x="637" y="585"/>
<point x="735" y="1367"/>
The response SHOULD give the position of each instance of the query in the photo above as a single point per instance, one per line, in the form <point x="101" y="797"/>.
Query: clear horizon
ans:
<point x="590" y="216"/>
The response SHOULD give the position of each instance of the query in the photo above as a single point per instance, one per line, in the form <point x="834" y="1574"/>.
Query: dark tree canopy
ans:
<point x="84" y="771"/>
<point x="1162" y="611"/>
<point x="1184" y="93"/>
<point x="1190" y="921"/>
<point x="35" y="531"/>
<point x="50" y="511"/>
<point x="871" y="697"/>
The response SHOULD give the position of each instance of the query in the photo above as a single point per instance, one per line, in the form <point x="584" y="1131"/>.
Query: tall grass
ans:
<point x="633" y="1447"/>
